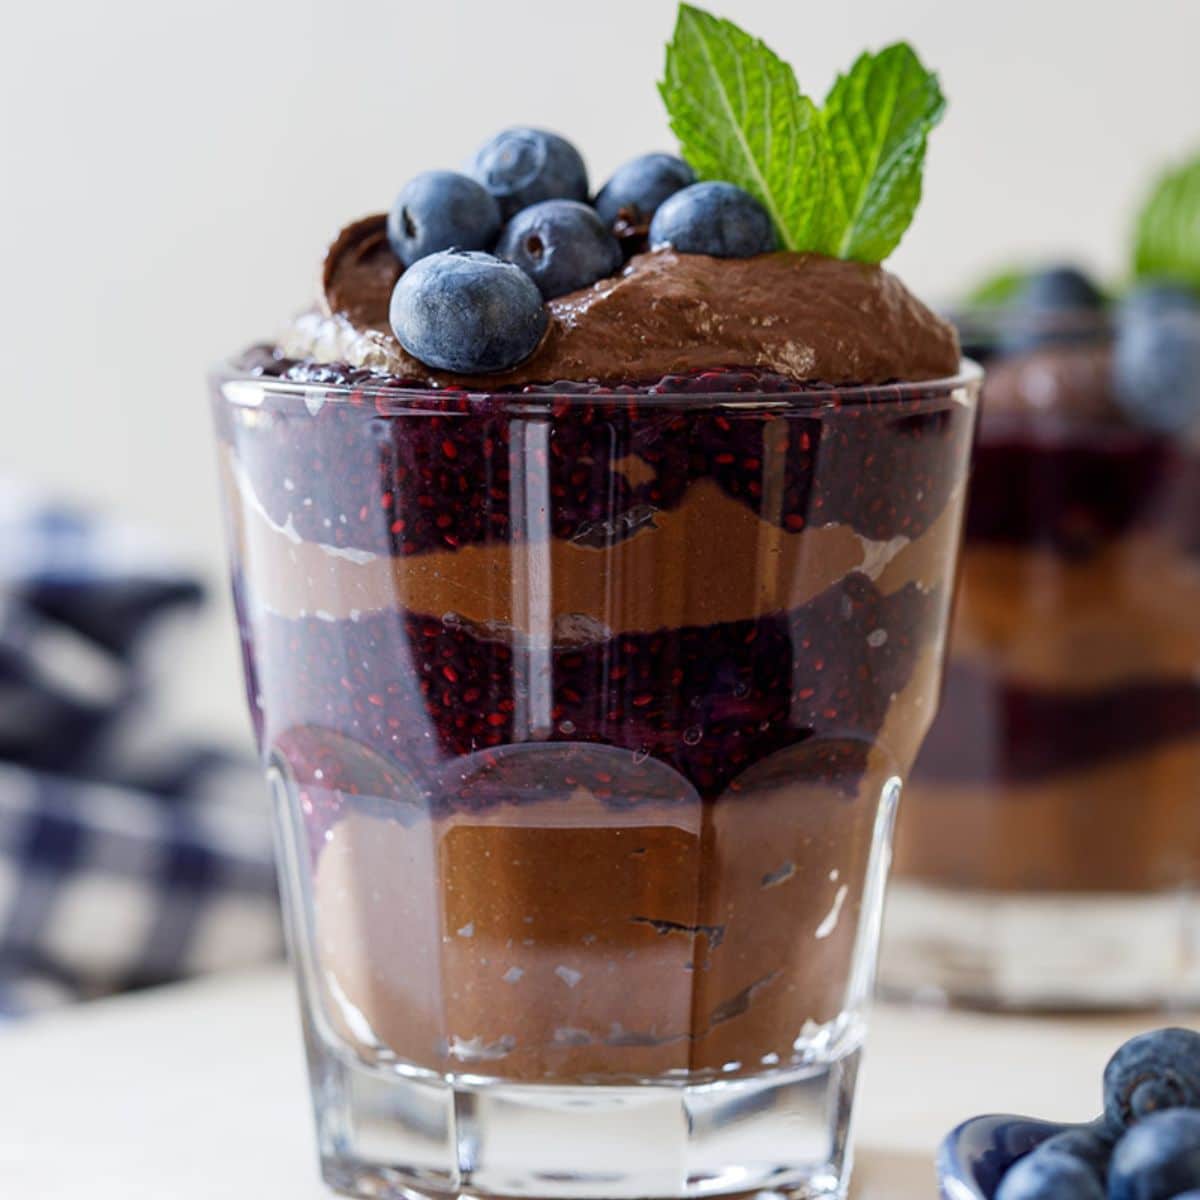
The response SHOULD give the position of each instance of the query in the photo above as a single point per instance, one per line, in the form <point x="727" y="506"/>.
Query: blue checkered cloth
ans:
<point x="129" y="855"/>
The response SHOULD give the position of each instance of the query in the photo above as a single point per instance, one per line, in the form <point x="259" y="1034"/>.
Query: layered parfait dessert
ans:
<point x="629" y="674"/>
<point x="1051" y="838"/>
<point x="593" y="563"/>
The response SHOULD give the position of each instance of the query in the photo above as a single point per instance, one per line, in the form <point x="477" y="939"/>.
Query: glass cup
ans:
<point x="1049" y="850"/>
<point x="586" y="714"/>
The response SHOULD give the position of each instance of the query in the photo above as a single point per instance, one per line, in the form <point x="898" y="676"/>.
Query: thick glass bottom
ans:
<point x="389" y="1129"/>
<point x="385" y="1134"/>
<point x="1041" y="950"/>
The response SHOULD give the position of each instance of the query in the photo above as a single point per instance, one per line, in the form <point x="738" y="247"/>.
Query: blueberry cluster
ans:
<point x="1156" y="354"/>
<point x="1146" y="1146"/>
<point x="483" y="250"/>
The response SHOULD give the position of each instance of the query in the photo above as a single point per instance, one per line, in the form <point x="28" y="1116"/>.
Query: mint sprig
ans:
<point x="999" y="288"/>
<point x="1167" y="233"/>
<point x="844" y="179"/>
<point x="740" y="116"/>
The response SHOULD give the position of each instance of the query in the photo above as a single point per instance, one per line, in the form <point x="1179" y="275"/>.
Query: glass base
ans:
<point x="384" y="1134"/>
<point x="1047" y="950"/>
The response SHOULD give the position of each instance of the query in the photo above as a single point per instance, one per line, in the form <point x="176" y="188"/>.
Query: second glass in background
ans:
<point x="1048" y="851"/>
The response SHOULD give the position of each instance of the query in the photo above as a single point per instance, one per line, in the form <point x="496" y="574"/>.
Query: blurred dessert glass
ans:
<point x="1048" y="852"/>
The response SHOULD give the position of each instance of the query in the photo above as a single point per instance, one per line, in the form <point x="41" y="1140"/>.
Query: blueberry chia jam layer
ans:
<point x="1066" y="755"/>
<point x="593" y="595"/>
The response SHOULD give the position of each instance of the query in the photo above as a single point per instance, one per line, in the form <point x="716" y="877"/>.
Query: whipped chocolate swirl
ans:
<point x="803" y="316"/>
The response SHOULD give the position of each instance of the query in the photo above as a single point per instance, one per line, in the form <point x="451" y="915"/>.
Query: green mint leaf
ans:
<point x="877" y="118"/>
<point x="741" y="117"/>
<point x="1167" y="237"/>
<point x="999" y="288"/>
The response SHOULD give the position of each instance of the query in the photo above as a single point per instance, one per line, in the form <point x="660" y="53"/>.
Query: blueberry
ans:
<point x="1152" y="1071"/>
<point x="1050" y="1177"/>
<point x="1156" y="370"/>
<point x="1054" y="307"/>
<point x="641" y="185"/>
<point x="441" y="210"/>
<point x="1092" y="1145"/>
<point x="1158" y="1158"/>
<point x="459" y="310"/>
<point x="561" y="245"/>
<point x="522" y="166"/>
<point x="713" y="218"/>
<point x="1059" y="289"/>
<point x="1157" y="297"/>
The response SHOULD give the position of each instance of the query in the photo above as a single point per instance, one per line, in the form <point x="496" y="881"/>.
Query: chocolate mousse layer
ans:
<point x="805" y="317"/>
<point x="588" y="695"/>
<point x="1067" y="753"/>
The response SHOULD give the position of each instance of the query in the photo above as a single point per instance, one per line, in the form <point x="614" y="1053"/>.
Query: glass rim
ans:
<point x="245" y="389"/>
<point x="992" y="321"/>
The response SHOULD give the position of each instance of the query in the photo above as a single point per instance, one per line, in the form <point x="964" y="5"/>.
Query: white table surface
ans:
<point x="197" y="1092"/>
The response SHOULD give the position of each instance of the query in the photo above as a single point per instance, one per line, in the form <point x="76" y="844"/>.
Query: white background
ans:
<point x="173" y="168"/>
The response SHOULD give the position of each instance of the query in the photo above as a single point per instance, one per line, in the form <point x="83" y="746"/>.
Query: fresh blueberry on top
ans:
<point x="460" y="310"/>
<point x="1059" y="289"/>
<point x="561" y="245"/>
<point x="713" y="218"/>
<point x="1092" y="1145"/>
<point x="641" y="185"/>
<point x="522" y="166"/>
<point x="1054" y="307"/>
<point x="1150" y="1072"/>
<point x="1156" y="371"/>
<point x="441" y="210"/>
<point x="1158" y="1158"/>
<point x="1156" y="297"/>
<point x="1050" y="1177"/>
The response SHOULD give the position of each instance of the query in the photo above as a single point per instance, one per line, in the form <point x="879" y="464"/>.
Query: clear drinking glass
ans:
<point x="1048" y="854"/>
<point x="586" y="714"/>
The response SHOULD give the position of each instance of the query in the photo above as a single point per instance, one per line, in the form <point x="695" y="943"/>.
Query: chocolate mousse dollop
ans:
<point x="803" y="316"/>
